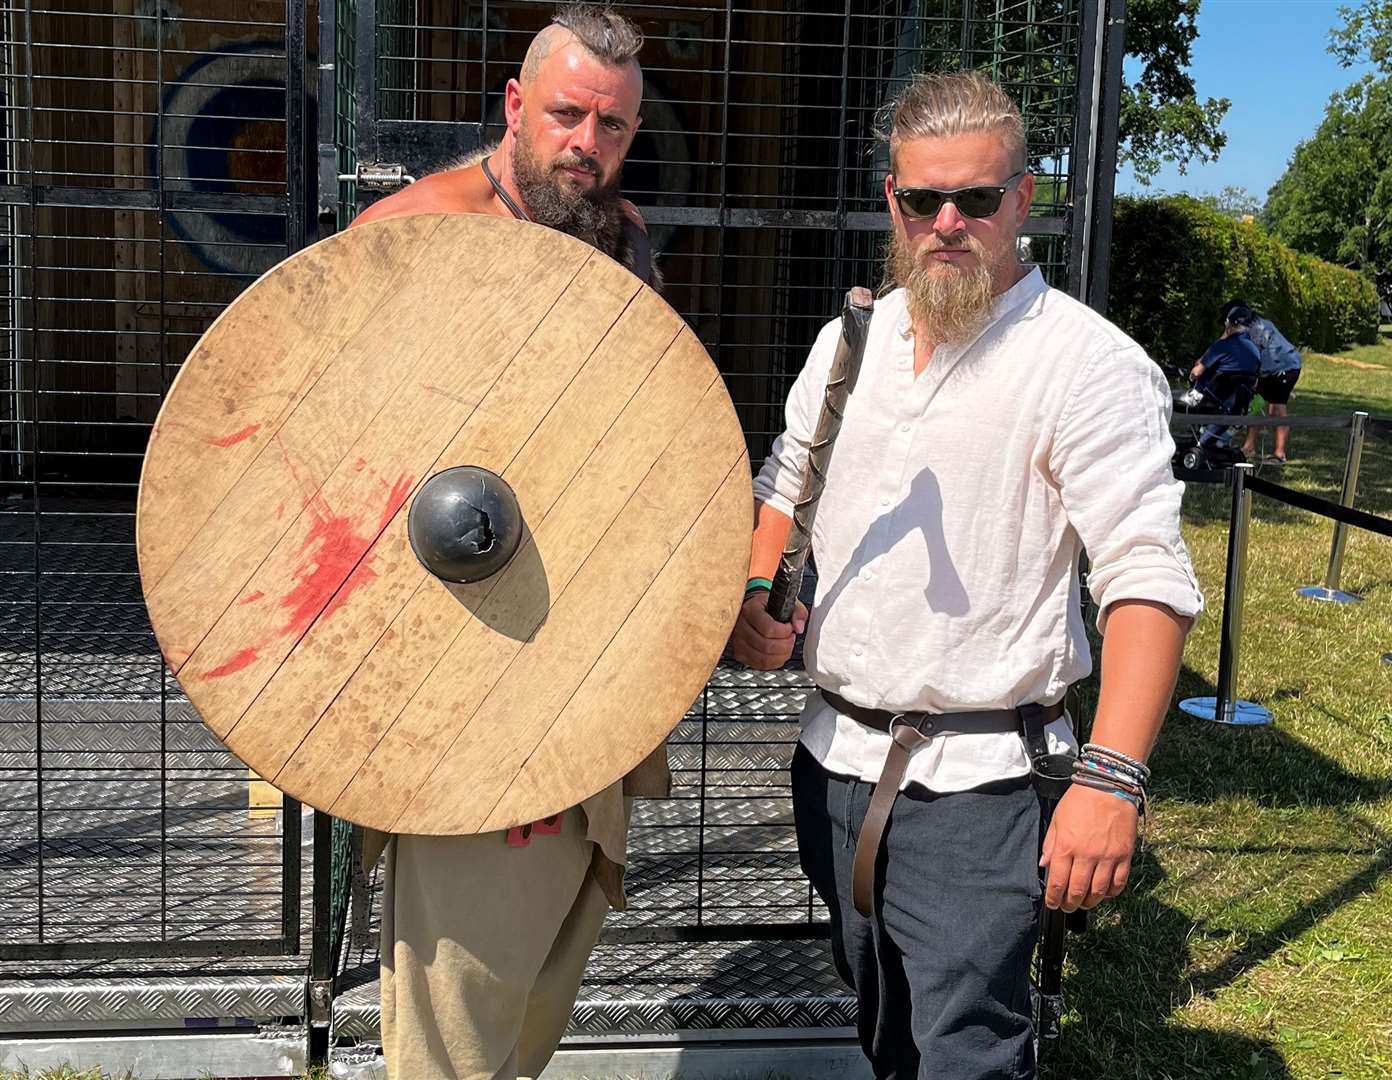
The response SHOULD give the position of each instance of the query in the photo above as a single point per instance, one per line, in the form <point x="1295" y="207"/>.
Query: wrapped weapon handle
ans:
<point x="841" y="380"/>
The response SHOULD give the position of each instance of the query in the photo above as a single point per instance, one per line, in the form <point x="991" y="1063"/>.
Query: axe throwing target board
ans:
<point x="272" y="523"/>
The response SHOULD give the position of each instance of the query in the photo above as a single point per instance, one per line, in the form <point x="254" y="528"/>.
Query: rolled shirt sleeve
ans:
<point x="1111" y="459"/>
<point x="780" y="479"/>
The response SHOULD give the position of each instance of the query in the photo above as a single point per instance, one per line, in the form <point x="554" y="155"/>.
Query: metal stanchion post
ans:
<point x="1330" y="591"/>
<point x="1226" y="707"/>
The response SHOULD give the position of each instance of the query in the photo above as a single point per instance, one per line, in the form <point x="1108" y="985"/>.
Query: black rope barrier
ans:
<point x="1380" y="427"/>
<point x="1323" y="507"/>
<point x="1329" y="423"/>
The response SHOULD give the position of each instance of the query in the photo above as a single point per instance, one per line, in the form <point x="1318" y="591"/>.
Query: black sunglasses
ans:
<point x="973" y="202"/>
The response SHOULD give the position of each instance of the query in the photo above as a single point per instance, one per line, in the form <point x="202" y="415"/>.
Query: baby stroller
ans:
<point x="1224" y="393"/>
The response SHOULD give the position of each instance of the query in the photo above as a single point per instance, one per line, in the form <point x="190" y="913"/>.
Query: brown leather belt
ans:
<point x="909" y="731"/>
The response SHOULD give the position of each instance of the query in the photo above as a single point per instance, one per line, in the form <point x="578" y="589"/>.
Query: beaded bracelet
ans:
<point x="1138" y="801"/>
<point x="1104" y="769"/>
<point x="1106" y="776"/>
<point x="1096" y="749"/>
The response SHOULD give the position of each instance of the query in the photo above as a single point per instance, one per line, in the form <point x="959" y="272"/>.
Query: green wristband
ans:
<point x="757" y="583"/>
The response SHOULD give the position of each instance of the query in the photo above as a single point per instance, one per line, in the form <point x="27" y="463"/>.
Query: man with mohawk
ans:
<point x="485" y="938"/>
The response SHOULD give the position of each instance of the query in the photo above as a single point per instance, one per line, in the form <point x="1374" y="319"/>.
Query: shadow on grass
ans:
<point x="1130" y="975"/>
<point x="1197" y="761"/>
<point x="1133" y="969"/>
<point x="1133" y="972"/>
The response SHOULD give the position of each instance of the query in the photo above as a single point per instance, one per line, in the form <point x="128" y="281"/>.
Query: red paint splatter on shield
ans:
<point x="362" y="574"/>
<point x="245" y="658"/>
<point x="332" y="569"/>
<point x="236" y="437"/>
<point x="331" y="551"/>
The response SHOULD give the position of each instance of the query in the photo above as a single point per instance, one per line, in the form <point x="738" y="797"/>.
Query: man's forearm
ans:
<point x="771" y="528"/>
<point x="1142" y="647"/>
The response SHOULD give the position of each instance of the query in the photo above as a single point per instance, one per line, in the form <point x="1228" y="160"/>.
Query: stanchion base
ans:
<point x="1239" y="713"/>
<point x="1329" y="596"/>
<point x="1387" y="658"/>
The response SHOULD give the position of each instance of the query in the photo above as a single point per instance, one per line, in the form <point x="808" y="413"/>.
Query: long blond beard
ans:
<point x="947" y="305"/>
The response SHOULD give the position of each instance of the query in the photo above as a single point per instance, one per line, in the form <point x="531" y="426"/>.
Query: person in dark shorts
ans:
<point x="1280" y="371"/>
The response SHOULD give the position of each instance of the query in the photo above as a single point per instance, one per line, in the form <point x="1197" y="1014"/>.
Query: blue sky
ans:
<point x="1269" y="58"/>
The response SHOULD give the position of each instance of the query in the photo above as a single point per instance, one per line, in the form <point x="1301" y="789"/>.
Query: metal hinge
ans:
<point x="320" y="1001"/>
<point x="379" y="176"/>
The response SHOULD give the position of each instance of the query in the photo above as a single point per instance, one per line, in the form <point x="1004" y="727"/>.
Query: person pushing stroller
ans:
<point x="1226" y="375"/>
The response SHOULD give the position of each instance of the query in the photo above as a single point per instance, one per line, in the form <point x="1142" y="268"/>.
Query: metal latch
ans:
<point x="379" y="176"/>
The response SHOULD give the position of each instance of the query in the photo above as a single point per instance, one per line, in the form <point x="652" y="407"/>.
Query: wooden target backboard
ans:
<point x="272" y="539"/>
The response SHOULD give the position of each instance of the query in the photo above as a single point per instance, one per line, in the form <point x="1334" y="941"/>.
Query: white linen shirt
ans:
<point x="955" y="510"/>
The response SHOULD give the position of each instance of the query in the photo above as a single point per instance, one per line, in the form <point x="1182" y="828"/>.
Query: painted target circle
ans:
<point x="223" y="131"/>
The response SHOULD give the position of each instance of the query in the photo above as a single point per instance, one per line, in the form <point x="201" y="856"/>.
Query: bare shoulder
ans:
<point x="456" y="191"/>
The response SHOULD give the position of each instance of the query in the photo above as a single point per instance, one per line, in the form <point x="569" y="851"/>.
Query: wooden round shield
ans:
<point x="272" y="535"/>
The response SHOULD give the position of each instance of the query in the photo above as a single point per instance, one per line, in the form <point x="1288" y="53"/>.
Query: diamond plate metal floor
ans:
<point x="656" y="988"/>
<point x="720" y="852"/>
<point x="145" y="833"/>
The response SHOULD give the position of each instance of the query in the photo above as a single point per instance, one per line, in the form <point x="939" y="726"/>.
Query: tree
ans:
<point x="1366" y="35"/>
<point x="1335" y="198"/>
<point x="1233" y="201"/>
<point x="1162" y="118"/>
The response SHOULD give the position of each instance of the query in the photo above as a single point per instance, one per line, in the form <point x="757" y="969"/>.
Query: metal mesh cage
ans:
<point x="760" y="175"/>
<point x="149" y="172"/>
<point x="757" y="165"/>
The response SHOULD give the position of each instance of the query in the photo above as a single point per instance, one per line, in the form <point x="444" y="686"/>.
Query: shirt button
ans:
<point x="884" y="501"/>
<point x="903" y="427"/>
<point x="859" y="651"/>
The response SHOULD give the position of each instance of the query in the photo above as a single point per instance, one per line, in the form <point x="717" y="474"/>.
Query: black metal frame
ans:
<point x="386" y="140"/>
<point x="1095" y="146"/>
<point x="22" y="471"/>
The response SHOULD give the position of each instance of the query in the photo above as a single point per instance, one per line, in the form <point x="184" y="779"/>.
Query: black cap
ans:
<point x="1240" y="315"/>
<point x="1227" y="308"/>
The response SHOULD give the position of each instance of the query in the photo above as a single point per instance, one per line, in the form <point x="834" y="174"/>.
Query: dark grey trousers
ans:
<point x="941" y="970"/>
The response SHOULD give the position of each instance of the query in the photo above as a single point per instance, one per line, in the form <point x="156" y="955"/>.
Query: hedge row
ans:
<point x="1175" y="261"/>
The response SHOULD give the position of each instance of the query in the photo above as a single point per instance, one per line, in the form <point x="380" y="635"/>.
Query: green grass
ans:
<point x="1256" y="938"/>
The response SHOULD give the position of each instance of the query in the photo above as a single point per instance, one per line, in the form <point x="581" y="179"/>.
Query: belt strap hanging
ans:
<point x="907" y="732"/>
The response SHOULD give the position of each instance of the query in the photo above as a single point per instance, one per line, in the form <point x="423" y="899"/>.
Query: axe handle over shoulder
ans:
<point x="845" y="369"/>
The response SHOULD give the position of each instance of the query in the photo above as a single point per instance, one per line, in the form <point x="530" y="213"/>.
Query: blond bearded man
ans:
<point x="485" y="938"/>
<point x="997" y="427"/>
